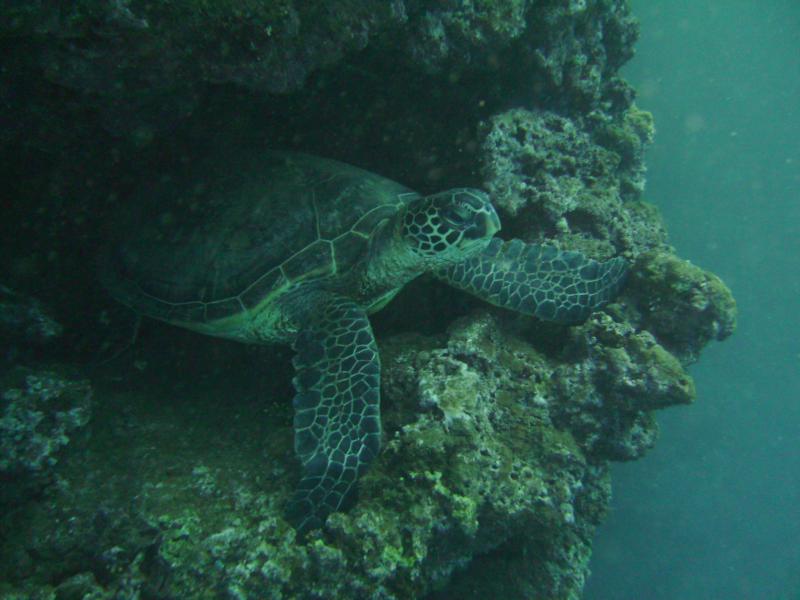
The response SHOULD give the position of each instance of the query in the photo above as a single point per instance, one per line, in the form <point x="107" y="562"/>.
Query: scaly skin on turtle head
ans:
<point x="448" y="227"/>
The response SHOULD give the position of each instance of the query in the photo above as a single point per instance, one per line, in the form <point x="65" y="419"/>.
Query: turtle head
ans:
<point x="449" y="226"/>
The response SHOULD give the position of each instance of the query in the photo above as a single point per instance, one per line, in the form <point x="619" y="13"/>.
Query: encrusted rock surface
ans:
<point x="25" y="320"/>
<point x="473" y="464"/>
<point x="684" y="306"/>
<point x="498" y="429"/>
<point x="26" y="325"/>
<point x="41" y="412"/>
<point x="560" y="165"/>
<point x="142" y="64"/>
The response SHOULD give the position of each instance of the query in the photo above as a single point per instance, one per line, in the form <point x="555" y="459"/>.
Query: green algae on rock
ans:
<point x="41" y="412"/>
<point x="488" y="472"/>
<point x="684" y="306"/>
<point x="557" y="165"/>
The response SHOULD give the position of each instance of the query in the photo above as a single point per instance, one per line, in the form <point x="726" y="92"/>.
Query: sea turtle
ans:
<point x="295" y="249"/>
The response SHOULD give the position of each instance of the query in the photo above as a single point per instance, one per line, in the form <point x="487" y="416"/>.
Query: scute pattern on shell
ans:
<point x="219" y="240"/>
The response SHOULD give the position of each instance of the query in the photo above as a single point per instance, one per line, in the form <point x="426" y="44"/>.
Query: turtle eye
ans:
<point x="457" y="214"/>
<point x="463" y="210"/>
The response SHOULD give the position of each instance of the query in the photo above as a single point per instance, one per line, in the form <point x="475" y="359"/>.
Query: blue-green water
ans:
<point x="714" y="511"/>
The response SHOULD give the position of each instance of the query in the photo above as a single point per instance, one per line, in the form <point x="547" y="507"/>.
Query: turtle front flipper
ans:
<point x="337" y="426"/>
<point x="542" y="281"/>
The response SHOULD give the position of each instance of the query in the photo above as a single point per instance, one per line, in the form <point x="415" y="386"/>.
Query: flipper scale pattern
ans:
<point x="337" y="408"/>
<point x="551" y="284"/>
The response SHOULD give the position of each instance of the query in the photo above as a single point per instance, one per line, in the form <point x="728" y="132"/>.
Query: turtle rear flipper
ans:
<point x="543" y="281"/>
<point x="337" y="406"/>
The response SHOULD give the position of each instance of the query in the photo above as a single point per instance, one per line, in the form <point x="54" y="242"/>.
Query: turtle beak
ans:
<point x="491" y="222"/>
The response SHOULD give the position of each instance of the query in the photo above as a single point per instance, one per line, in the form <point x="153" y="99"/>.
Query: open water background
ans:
<point x="714" y="511"/>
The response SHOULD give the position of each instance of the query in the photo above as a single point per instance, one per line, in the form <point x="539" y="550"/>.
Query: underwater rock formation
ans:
<point x="25" y="324"/>
<point x="683" y="306"/>
<point x="562" y="165"/>
<point x="498" y="429"/>
<point x="142" y="65"/>
<point x="41" y="413"/>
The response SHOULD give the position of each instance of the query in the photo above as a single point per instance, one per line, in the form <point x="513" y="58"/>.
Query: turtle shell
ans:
<point x="200" y="247"/>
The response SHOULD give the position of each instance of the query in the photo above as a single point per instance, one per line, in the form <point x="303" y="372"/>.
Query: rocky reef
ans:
<point x="159" y="469"/>
<point x="42" y="413"/>
<point x="25" y="326"/>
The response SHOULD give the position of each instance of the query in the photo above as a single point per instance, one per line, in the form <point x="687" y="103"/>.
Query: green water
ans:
<point x="714" y="511"/>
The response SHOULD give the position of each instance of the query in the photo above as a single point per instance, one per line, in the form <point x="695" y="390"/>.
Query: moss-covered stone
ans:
<point x="683" y="305"/>
<point x="546" y="161"/>
<point x="473" y="464"/>
<point x="40" y="414"/>
<point x="26" y="326"/>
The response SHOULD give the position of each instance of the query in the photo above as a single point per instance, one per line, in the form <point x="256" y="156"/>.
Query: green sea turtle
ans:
<point x="295" y="249"/>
